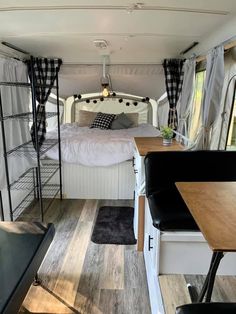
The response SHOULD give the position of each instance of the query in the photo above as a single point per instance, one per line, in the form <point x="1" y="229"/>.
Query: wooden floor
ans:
<point x="174" y="289"/>
<point x="79" y="276"/>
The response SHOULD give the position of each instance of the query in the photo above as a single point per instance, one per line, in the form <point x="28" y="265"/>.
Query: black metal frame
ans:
<point x="35" y="180"/>
<point x="207" y="287"/>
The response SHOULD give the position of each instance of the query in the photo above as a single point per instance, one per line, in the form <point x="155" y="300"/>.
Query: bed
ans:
<point x="97" y="164"/>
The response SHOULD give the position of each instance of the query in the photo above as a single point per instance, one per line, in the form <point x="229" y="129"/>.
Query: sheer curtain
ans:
<point x="14" y="100"/>
<point x="186" y="97"/>
<point x="220" y="128"/>
<point x="212" y="97"/>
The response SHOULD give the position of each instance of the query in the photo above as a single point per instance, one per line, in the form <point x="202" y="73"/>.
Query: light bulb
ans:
<point x="105" y="92"/>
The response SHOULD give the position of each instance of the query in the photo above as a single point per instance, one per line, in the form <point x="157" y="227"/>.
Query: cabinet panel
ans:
<point x="151" y="247"/>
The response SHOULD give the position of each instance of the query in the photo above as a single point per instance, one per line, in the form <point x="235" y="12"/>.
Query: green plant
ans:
<point x="166" y="132"/>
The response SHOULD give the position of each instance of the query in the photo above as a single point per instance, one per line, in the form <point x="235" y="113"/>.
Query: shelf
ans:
<point x="24" y="84"/>
<point x="26" y="180"/>
<point x="29" y="150"/>
<point x="49" y="192"/>
<point x="28" y="116"/>
<point x="15" y="84"/>
<point x="26" y="187"/>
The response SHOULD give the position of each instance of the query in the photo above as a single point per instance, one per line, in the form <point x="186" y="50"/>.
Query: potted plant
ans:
<point x="167" y="134"/>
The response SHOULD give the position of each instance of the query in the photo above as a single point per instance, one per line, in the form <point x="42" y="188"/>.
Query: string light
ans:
<point x="106" y="94"/>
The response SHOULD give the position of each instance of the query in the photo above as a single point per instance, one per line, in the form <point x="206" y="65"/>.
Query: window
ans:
<point x="195" y="119"/>
<point x="231" y="136"/>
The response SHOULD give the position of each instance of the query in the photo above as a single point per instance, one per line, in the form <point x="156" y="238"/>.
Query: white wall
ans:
<point x="141" y="80"/>
<point x="221" y="34"/>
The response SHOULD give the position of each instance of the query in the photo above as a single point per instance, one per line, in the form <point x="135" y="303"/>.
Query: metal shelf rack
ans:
<point x="28" y="116"/>
<point x="35" y="182"/>
<point x="28" y="148"/>
<point x="49" y="192"/>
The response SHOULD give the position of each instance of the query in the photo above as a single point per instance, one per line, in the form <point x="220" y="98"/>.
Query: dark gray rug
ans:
<point x="114" y="225"/>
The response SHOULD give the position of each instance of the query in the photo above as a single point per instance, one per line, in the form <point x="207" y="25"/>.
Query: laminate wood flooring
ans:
<point x="174" y="289"/>
<point x="79" y="276"/>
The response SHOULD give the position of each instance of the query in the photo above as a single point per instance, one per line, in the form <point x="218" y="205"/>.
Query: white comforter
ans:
<point x="95" y="147"/>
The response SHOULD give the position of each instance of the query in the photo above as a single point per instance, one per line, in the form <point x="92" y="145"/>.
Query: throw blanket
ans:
<point x="95" y="147"/>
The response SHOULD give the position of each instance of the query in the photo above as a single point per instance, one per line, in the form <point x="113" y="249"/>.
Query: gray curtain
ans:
<point x="212" y="96"/>
<point x="220" y="128"/>
<point x="186" y="97"/>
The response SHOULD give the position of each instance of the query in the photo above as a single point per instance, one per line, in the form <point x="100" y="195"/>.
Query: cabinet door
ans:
<point x="138" y="165"/>
<point x="151" y="243"/>
<point x="150" y="256"/>
<point x="136" y="211"/>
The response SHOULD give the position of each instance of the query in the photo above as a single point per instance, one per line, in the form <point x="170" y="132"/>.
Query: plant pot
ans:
<point x="167" y="141"/>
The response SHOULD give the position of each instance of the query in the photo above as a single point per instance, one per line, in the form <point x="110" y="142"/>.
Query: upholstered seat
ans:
<point x="207" y="308"/>
<point x="169" y="211"/>
<point x="164" y="169"/>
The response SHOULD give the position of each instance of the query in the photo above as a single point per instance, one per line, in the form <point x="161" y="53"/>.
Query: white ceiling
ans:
<point x="139" y="37"/>
<point x="145" y="34"/>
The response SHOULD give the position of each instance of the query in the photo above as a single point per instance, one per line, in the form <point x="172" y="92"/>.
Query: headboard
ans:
<point x="111" y="105"/>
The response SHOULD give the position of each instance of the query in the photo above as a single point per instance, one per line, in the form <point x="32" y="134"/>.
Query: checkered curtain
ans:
<point x="44" y="71"/>
<point x="173" y="69"/>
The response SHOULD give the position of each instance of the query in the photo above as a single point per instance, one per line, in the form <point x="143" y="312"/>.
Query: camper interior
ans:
<point x="117" y="156"/>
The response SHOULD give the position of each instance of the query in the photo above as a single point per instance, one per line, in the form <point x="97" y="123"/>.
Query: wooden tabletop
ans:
<point x="154" y="144"/>
<point x="213" y="206"/>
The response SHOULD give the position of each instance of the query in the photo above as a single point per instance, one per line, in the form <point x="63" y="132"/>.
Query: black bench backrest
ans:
<point x="163" y="169"/>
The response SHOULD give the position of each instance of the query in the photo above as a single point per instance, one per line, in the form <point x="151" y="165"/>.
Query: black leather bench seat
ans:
<point x="164" y="169"/>
<point x="207" y="308"/>
<point x="169" y="212"/>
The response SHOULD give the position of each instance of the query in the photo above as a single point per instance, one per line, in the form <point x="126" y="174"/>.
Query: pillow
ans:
<point x="133" y="116"/>
<point x="121" y="121"/>
<point x="102" y="121"/>
<point x="86" y="118"/>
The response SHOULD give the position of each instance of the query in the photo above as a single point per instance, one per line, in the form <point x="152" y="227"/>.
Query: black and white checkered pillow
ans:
<point x="103" y="121"/>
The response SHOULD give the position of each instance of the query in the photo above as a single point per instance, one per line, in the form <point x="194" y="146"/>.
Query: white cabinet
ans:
<point x="138" y="166"/>
<point x="138" y="163"/>
<point x="151" y="251"/>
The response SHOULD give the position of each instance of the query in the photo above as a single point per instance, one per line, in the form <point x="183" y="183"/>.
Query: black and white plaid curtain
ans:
<point x="44" y="72"/>
<point x="174" y="75"/>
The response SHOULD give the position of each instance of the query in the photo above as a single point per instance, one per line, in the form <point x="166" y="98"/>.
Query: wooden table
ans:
<point x="154" y="144"/>
<point x="213" y="207"/>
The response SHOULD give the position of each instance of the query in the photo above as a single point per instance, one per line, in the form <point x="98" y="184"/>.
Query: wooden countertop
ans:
<point x="154" y="144"/>
<point x="213" y="206"/>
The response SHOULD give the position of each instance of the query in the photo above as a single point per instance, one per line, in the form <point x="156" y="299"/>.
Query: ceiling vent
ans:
<point x="100" y="43"/>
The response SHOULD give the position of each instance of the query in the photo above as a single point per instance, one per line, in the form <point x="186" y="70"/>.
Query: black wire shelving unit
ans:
<point x="35" y="182"/>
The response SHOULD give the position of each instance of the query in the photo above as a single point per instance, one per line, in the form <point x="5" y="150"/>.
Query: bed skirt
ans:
<point x="114" y="182"/>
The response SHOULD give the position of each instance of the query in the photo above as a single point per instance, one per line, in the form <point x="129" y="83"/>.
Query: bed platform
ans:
<point x="114" y="182"/>
<point x="97" y="164"/>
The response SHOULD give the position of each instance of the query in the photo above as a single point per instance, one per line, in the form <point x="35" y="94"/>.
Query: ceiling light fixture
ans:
<point x="100" y="43"/>
<point x="105" y="79"/>
<point x="135" y="6"/>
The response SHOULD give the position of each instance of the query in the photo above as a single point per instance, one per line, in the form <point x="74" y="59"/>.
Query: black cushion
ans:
<point x="23" y="246"/>
<point x="121" y="121"/>
<point x="163" y="169"/>
<point x="169" y="211"/>
<point x="207" y="308"/>
<point x="103" y="121"/>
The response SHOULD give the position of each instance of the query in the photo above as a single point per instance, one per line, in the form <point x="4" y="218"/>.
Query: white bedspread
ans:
<point x="95" y="147"/>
